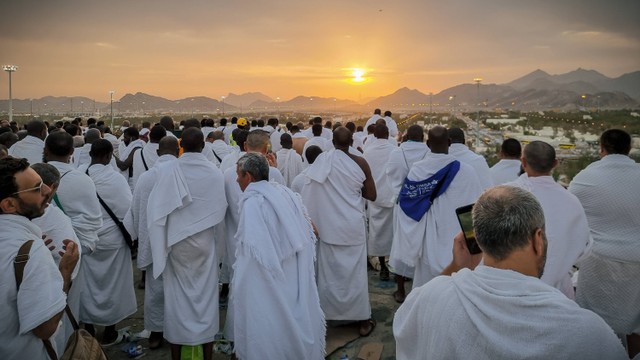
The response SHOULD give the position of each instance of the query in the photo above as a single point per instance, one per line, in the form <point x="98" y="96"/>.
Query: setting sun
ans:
<point x="358" y="74"/>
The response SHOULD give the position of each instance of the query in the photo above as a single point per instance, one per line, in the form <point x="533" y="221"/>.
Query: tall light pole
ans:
<point x="111" y="96"/>
<point x="10" y="69"/>
<point x="430" y="107"/>
<point x="478" y="81"/>
<point x="222" y="105"/>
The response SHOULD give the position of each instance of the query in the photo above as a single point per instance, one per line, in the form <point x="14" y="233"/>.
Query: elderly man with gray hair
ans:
<point x="273" y="287"/>
<point x="501" y="310"/>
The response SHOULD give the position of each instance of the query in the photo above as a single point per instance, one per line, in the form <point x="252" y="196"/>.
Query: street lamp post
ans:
<point x="10" y="69"/>
<point x="222" y="105"/>
<point x="430" y="107"/>
<point x="477" y="81"/>
<point x="111" y="96"/>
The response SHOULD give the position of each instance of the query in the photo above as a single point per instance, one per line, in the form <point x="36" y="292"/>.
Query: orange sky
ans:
<point x="286" y="48"/>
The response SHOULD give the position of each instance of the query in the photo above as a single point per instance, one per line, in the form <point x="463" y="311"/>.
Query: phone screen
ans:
<point x="466" y="223"/>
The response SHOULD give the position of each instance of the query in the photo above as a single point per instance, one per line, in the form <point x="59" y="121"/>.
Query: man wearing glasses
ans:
<point x="32" y="313"/>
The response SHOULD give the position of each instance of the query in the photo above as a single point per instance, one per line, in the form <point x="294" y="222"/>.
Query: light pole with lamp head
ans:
<point x="478" y="81"/>
<point x="222" y="97"/>
<point x="10" y="69"/>
<point x="111" y="96"/>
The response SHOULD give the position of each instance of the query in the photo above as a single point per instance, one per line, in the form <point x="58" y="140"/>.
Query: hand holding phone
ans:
<point x="466" y="223"/>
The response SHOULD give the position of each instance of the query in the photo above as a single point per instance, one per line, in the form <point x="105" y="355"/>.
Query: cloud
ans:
<point x="106" y="45"/>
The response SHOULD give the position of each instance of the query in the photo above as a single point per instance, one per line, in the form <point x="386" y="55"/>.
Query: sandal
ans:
<point x="398" y="297"/>
<point x="366" y="331"/>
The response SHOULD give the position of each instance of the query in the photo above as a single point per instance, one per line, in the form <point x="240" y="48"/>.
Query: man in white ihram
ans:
<point x="289" y="162"/>
<point x="508" y="168"/>
<point x="609" y="190"/>
<point x="136" y="223"/>
<point x="461" y="152"/>
<point x="380" y="211"/>
<point x="33" y="312"/>
<point x="185" y="205"/>
<point x="335" y="187"/>
<point x="274" y="287"/>
<point x="108" y="269"/>
<point x="500" y="310"/>
<point x="31" y="147"/>
<point x="258" y="142"/>
<point x="423" y="228"/>
<point x="566" y="223"/>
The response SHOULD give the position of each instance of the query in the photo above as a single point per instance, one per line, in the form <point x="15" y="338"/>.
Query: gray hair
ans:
<point x="257" y="140"/>
<point x="256" y="165"/>
<point x="48" y="173"/>
<point x="504" y="219"/>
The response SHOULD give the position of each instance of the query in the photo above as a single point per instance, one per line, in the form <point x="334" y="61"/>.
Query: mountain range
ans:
<point x="537" y="90"/>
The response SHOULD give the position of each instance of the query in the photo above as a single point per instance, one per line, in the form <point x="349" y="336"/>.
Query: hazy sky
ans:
<point x="285" y="48"/>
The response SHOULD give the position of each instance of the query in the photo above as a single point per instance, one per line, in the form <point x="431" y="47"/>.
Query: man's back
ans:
<point x="504" y="171"/>
<point x="609" y="190"/>
<point x="479" y="164"/>
<point x="492" y="313"/>
<point x="566" y="228"/>
<point x="29" y="148"/>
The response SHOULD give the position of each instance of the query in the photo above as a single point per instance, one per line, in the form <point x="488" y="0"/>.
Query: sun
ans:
<point x="358" y="75"/>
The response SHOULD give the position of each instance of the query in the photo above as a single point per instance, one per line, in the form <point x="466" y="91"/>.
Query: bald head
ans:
<point x="456" y="135"/>
<point x="168" y="145"/>
<point x="438" y="140"/>
<point x="92" y="135"/>
<point x="342" y="138"/>
<point x="286" y="141"/>
<point x="192" y="140"/>
<point x="539" y="158"/>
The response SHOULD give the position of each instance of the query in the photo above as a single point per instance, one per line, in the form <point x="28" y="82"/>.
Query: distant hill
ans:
<point x="246" y="99"/>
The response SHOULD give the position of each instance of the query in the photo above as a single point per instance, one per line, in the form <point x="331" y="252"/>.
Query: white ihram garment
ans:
<point x="78" y="200"/>
<point x="55" y="225"/>
<point x="462" y="153"/>
<point x="380" y="212"/>
<point x="233" y="195"/>
<point x="609" y="190"/>
<point x="150" y="154"/>
<point x="426" y="244"/>
<point x="400" y="161"/>
<point x="289" y="164"/>
<point x="505" y="170"/>
<point x="108" y="296"/>
<point x="565" y="226"/>
<point x="274" y="281"/>
<point x="30" y="148"/>
<point x="40" y="296"/>
<point x="136" y="223"/>
<point x="492" y="314"/>
<point x="221" y="149"/>
<point x="333" y="197"/>
<point x="185" y="204"/>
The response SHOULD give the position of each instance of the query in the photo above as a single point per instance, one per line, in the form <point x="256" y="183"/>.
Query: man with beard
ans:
<point x="31" y="313"/>
<point x="501" y="310"/>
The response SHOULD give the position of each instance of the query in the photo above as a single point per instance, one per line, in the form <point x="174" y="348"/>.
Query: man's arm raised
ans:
<point x="462" y="258"/>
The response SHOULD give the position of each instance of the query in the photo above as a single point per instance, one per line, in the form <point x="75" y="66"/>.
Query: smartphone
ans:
<point x="466" y="223"/>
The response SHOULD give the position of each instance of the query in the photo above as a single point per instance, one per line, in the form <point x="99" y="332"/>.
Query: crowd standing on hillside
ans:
<point x="277" y="223"/>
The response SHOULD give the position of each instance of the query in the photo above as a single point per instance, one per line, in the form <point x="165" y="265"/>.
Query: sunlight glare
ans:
<point x="358" y="74"/>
